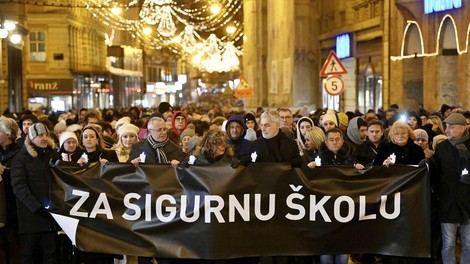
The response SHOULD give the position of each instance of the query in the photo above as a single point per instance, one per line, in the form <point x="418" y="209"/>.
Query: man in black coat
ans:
<point x="274" y="146"/>
<point x="157" y="148"/>
<point x="31" y="180"/>
<point x="450" y="168"/>
<point x="365" y="153"/>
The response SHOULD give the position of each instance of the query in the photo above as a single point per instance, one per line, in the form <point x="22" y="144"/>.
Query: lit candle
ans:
<point x="464" y="171"/>
<point x="85" y="157"/>
<point x="191" y="160"/>
<point x="393" y="157"/>
<point x="318" y="161"/>
<point x="254" y="156"/>
<point x="142" y="157"/>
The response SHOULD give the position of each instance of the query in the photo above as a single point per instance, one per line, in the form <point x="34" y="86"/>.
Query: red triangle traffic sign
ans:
<point x="332" y="66"/>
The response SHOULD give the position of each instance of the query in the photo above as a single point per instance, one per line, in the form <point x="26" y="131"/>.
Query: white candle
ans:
<point x="191" y="160"/>
<point x="393" y="158"/>
<point x="318" y="161"/>
<point x="254" y="156"/>
<point x="142" y="157"/>
<point x="464" y="172"/>
<point x="85" y="157"/>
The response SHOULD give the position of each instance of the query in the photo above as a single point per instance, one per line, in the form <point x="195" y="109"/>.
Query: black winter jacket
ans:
<point x="454" y="196"/>
<point x="31" y="180"/>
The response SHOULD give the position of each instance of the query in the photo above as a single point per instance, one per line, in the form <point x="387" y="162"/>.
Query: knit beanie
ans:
<point x="343" y="119"/>
<point x="60" y="127"/>
<point x="122" y="121"/>
<point x="128" y="128"/>
<point x="330" y="115"/>
<point x="37" y="129"/>
<point x="249" y="116"/>
<point x="421" y="133"/>
<point x="66" y="135"/>
<point x="73" y="128"/>
<point x="444" y="108"/>
<point x="164" y="107"/>
<point x="188" y="132"/>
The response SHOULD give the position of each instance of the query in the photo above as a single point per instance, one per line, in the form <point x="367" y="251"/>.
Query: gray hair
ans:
<point x="9" y="127"/>
<point x="272" y="115"/>
<point x="153" y="120"/>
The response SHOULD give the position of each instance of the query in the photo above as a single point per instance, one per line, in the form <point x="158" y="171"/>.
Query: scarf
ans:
<point x="459" y="144"/>
<point x="158" y="146"/>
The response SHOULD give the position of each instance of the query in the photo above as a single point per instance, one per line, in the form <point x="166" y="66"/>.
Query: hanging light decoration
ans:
<point x="166" y="17"/>
<point x="188" y="40"/>
<point x="150" y="12"/>
<point x="166" y="27"/>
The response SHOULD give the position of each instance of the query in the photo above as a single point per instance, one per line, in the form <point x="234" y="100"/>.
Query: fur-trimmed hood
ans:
<point x="30" y="146"/>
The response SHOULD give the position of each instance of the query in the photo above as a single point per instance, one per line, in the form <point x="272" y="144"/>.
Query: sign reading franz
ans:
<point x="51" y="85"/>
<point x="266" y="209"/>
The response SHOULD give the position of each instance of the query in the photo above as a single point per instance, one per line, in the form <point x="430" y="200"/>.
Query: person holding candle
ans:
<point x="127" y="136"/>
<point x="31" y="182"/>
<point x="157" y="148"/>
<point x="401" y="148"/>
<point x="94" y="149"/>
<point x="334" y="151"/>
<point x="449" y="168"/>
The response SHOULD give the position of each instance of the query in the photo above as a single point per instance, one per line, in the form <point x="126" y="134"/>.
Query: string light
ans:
<point x="436" y="53"/>
<point x="167" y="16"/>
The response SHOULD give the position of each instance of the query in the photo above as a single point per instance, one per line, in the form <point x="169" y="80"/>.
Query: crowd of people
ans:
<point x="32" y="141"/>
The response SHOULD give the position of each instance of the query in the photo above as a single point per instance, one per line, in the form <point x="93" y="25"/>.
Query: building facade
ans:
<point x="398" y="53"/>
<point x="63" y="61"/>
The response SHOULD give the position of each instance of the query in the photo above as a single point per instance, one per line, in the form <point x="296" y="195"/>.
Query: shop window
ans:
<point x="37" y="45"/>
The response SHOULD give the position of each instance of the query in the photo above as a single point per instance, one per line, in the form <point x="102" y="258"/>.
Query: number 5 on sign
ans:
<point x="334" y="85"/>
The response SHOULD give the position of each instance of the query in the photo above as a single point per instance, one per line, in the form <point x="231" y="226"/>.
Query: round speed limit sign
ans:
<point x="334" y="85"/>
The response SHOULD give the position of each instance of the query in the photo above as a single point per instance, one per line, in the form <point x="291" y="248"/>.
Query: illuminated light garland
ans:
<point x="436" y="53"/>
<point x="216" y="54"/>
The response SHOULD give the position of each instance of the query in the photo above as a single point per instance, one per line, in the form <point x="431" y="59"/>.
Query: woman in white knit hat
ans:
<point x="127" y="135"/>
<point x="69" y="150"/>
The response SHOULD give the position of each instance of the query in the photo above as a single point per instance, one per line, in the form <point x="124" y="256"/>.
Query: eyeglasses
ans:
<point x="159" y="130"/>
<point x="180" y="119"/>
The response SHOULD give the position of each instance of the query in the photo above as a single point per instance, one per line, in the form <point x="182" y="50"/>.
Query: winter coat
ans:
<point x="409" y="154"/>
<point x="366" y="152"/>
<point x="203" y="158"/>
<point x="454" y="196"/>
<point x="342" y="158"/>
<point x="277" y="149"/>
<point x="241" y="145"/>
<point x="6" y="157"/>
<point x="172" y="151"/>
<point x="98" y="154"/>
<point x="31" y="180"/>
<point x="72" y="157"/>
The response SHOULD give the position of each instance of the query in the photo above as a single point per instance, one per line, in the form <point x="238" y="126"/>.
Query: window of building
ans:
<point x="37" y="45"/>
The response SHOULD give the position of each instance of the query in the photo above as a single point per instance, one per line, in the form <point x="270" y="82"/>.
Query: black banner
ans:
<point x="266" y="209"/>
